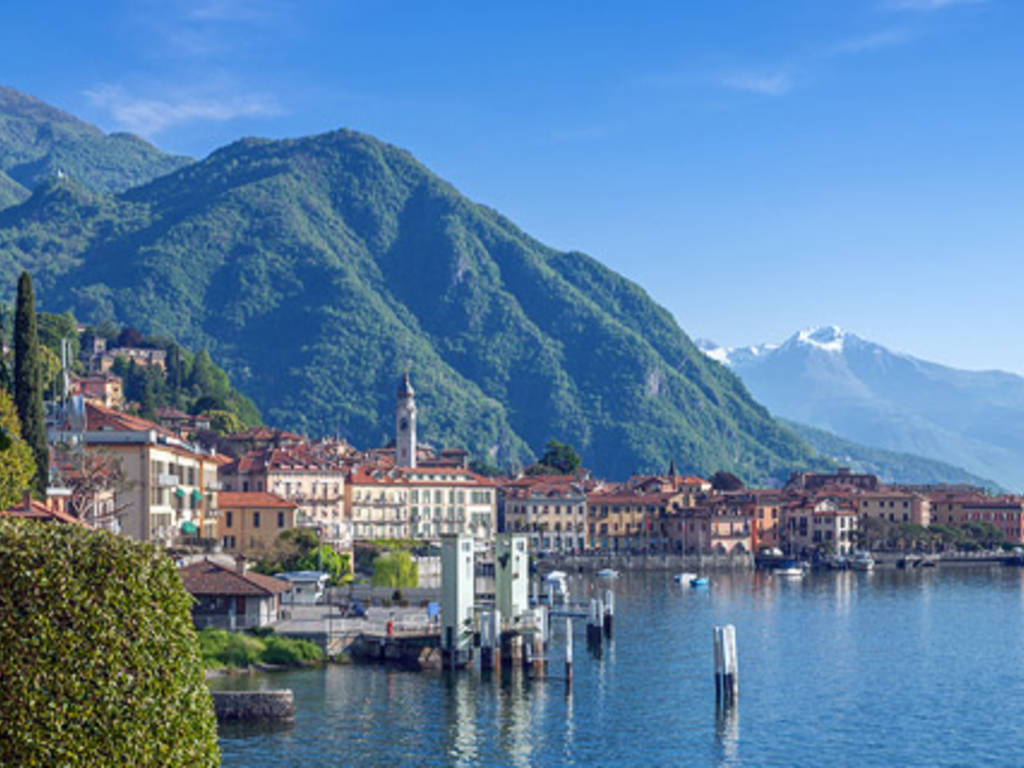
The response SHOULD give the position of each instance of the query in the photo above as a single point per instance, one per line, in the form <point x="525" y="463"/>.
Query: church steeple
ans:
<point x="672" y="468"/>
<point x="405" y="424"/>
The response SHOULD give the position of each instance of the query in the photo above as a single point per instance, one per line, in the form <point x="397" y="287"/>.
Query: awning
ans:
<point x="189" y="527"/>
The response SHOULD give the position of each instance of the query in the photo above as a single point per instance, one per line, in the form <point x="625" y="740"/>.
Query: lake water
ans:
<point x="861" y="669"/>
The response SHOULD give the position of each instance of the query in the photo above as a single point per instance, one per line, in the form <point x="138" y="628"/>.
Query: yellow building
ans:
<point x="551" y="510"/>
<point x="248" y="523"/>
<point x="896" y="506"/>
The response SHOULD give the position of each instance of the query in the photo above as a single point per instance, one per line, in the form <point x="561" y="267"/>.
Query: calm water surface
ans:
<point x="859" y="669"/>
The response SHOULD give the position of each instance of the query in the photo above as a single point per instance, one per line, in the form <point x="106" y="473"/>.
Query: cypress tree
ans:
<point x="5" y="374"/>
<point x="28" y="385"/>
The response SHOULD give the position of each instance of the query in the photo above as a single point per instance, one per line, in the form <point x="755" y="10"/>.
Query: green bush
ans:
<point x="228" y="649"/>
<point x="99" y="662"/>
<point x="287" y="650"/>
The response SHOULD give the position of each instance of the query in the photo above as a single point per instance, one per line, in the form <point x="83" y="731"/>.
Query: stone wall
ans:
<point x="254" y="706"/>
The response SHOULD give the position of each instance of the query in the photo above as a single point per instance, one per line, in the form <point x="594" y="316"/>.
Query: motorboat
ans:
<point x="789" y="569"/>
<point x="862" y="561"/>
<point x="607" y="573"/>
<point x="684" y="578"/>
<point x="700" y="581"/>
<point x="837" y="562"/>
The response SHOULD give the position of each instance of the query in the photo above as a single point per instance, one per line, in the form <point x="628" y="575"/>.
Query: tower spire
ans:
<point x="405" y="424"/>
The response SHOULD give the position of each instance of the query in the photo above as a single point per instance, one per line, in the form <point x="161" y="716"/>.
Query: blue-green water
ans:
<point x="860" y="669"/>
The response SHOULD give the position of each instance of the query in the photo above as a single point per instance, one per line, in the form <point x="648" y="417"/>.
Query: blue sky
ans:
<point x="757" y="166"/>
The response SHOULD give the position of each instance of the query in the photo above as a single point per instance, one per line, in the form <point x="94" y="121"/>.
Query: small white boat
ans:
<point x="790" y="569"/>
<point x="684" y="578"/>
<point x="862" y="561"/>
<point x="607" y="573"/>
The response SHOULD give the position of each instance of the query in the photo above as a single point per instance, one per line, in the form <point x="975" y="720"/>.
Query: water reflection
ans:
<point x="842" y="664"/>
<point x="727" y="734"/>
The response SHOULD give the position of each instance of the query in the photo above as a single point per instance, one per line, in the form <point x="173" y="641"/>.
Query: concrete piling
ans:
<point x="568" y="653"/>
<point x="727" y="684"/>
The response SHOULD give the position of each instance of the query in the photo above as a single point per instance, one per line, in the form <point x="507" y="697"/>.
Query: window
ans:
<point x="229" y="519"/>
<point x="255" y="519"/>
<point x="280" y="519"/>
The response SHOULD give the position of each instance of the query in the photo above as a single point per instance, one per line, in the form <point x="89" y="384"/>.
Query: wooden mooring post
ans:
<point x="609" y="612"/>
<point x="594" y="626"/>
<point x="727" y="683"/>
<point x="540" y="639"/>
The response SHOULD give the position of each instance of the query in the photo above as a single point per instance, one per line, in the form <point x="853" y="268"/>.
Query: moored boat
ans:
<point x="607" y="573"/>
<point x="862" y="561"/>
<point x="700" y="581"/>
<point x="685" y="577"/>
<point x="790" y="569"/>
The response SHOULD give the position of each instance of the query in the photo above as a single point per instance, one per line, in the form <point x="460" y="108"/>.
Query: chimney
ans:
<point x="240" y="563"/>
<point x="26" y="500"/>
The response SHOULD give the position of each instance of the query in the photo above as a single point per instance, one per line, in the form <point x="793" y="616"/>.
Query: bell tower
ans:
<point x="405" y="424"/>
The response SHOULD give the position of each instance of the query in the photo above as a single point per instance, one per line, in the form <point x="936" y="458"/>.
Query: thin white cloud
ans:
<point x="765" y="84"/>
<point x="232" y="10"/>
<point x="883" y="39"/>
<point x="927" y="5"/>
<point x="149" y="116"/>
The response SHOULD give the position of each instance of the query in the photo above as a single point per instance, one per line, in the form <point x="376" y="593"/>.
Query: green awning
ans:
<point x="179" y="493"/>
<point x="189" y="527"/>
<point x="197" y="495"/>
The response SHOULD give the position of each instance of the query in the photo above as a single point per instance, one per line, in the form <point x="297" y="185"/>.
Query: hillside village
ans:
<point x="176" y="482"/>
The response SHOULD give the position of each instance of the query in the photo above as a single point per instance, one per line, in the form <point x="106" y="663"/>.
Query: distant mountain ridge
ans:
<point x="891" y="467"/>
<point x="38" y="141"/>
<point x="318" y="269"/>
<point x="834" y="380"/>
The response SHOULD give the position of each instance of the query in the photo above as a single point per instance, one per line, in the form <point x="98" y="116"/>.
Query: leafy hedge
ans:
<point x="99" y="663"/>
<point x="230" y="649"/>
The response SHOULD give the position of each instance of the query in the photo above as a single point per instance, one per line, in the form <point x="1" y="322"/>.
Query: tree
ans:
<point x="327" y="560"/>
<point x="28" y="385"/>
<point x="147" y="402"/>
<point x="224" y="422"/>
<point x="558" y="459"/>
<point x="726" y="481"/>
<point x="91" y="475"/>
<point x="299" y="549"/>
<point x="5" y="374"/>
<point x="17" y="467"/>
<point x="175" y="369"/>
<point x="129" y="337"/>
<point x="54" y="328"/>
<point x="395" y="569"/>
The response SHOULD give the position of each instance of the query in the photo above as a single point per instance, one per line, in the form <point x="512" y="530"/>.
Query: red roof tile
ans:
<point x="209" y="578"/>
<point x="251" y="499"/>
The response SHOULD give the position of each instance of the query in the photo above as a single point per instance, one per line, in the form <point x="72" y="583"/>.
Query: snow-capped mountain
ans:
<point x="834" y="380"/>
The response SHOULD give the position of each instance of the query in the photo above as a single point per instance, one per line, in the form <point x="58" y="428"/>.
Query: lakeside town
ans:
<point x="177" y="482"/>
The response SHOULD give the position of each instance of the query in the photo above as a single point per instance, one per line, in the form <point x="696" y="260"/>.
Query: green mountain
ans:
<point x="38" y="141"/>
<point x="890" y="466"/>
<point x="316" y="270"/>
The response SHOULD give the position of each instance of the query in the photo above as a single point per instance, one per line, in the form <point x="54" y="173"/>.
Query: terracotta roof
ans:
<point x="99" y="419"/>
<point x="209" y="578"/>
<point x="36" y="510"/>
<point x="248" y="499"/>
